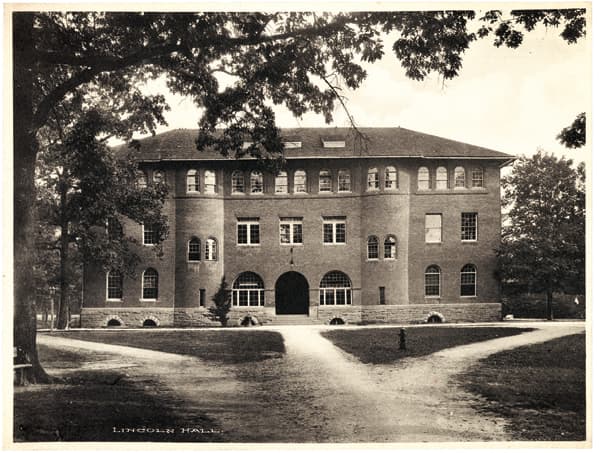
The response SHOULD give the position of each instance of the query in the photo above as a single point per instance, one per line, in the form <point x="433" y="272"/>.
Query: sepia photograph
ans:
<point x="342" y="225"/>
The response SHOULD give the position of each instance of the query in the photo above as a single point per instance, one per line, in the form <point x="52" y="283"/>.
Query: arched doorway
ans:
<point x="291" y="294"/>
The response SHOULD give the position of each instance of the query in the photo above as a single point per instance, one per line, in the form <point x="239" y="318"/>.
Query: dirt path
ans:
<point x="318" y="393"/>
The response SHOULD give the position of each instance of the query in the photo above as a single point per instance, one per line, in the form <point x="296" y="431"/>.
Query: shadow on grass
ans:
<point x="380" y="346"/>
<point x="102" y="405"/>
<point x="540" y="388"/>
<point x="221" y="346"/>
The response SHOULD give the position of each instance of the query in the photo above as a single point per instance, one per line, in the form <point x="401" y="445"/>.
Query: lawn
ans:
<point x="540" y="388"/>
<point x="221" y="346"/>
<point x="379" y="346"/>
<point x="87" y="405"/>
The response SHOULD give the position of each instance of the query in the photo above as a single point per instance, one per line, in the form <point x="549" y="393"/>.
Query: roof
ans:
<point x="179" y="144"/>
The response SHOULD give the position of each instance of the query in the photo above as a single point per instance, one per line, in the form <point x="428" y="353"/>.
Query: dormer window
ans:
<point x="292" y="142"/>
<point x="333" y="142"/>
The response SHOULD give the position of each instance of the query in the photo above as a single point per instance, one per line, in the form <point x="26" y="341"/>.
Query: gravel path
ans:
<point x="318" y="393"/>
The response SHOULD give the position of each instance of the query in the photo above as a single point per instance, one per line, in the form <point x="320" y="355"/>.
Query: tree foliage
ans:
<point x="222" y="303"/>
<point x="302" y="60"/>
<point x="543" y="239"/>
<point x="573" y="136"/>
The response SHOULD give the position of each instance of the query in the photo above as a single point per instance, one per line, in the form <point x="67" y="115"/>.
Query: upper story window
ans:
<point x="433" y="227"/>
<point x="248" y="231"/>
<point x="158" y="177"/>
<point x="142" y="179"/>
<point x="150" y="284"/>
<point x="334" y="230"/>
<point x="192" y="181"/>
<point x="150" y="234"/>
<point x="290" y="230"/>
<point x="210" y="181"/>
<point x="372" y="248"/>
<point x="299" y="181"/>
<point x="432" y="281"/>
<point x="468" y="226"/>
<point x="423" y="179"/>
<point x="441" y="178"/>
<point x="373" y="179"/>
<point x="391" y="178"/>
<point x="194" y="249"/>
<point x="324" y="181"/>
<point x="344" y="181"/>
<point x="389" y="247"/>
<point x="114" y="230"/>
<point x="237" y="182"/>
<point x="114" y="285"/>
<point x="468" y="281"/>
<point x="477" y="177"/>
<point x="256" y="182"/>
<point x="459" y="178"/>
<point x="210" y="249"/>
<point x="281" y="182"/>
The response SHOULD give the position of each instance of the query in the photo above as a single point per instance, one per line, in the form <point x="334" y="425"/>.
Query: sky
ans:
<point x="510" y="100"/>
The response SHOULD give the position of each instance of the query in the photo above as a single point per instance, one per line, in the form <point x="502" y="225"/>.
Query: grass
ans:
<point x="222" y="346"/>
<point x="540" y="388"/>
<point x="87" y="405"/>
<point x="379" y="346"/>
<point x="534" y="306"/>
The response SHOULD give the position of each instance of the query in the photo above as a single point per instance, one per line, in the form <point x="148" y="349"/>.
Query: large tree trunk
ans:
<point x="549" y="309"/>
<point x="24" y="152"/>
<point x="64" y="256"/>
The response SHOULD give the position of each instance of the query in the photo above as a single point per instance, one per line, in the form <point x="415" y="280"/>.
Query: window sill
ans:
<point x="433" y="297"/>
<point x="334" y="243"/>
<point x="248" y="245"/>
<point x="469" y="241"/>
<point x="194" y="261"/>
<point x="114" y="300"/>
<point x="372" y="260"/>
<point x="292" y="244"/>
<point x="389" y="259"/>
<point x="468" y="297"/>
<point x="255" y="194"/>
<point x="148" y="300"/>
<point x="238" y="194"/>
<point x="335" y="306"/>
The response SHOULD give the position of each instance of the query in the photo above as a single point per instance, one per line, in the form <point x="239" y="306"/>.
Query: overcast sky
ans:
<point x="505" y="99"/>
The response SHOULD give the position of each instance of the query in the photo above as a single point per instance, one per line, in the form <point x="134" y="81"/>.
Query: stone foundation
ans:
<point x="351" y="314"/>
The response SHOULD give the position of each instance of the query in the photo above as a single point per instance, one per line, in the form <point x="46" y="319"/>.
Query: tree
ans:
<point x="85" y="191"/>
<point x="222" y="303"/>
<point x="543" y="242"/>
<point x="573" y="136"/>
<point x="300" y="59"/>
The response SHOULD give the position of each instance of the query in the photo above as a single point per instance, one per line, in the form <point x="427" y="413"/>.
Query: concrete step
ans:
<point x="290" y="320"/>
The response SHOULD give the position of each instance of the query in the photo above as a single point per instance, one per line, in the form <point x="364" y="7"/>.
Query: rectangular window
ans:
<point x="468" y="226"/>
<point x="334" y="230"/>
<point x="248" y="231"/>
<point x="150" y="234"/>
<point x="290" y="230"/>
<point x="382" y="295"/>
<point x="433" y="227"/>
<point x="202" y="297"/>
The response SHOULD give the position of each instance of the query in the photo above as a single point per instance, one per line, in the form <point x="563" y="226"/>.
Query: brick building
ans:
<point x="402" y="230"/>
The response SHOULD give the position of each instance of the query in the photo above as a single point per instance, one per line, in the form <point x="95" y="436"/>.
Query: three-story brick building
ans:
<point x="400" y="230"/>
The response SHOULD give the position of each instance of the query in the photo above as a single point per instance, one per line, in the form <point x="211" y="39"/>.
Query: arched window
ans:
<point x="142" y="179"/>
<point x="335" y="289"/>
<point x="372" y="248"/>
<point x="423" y="179"/>
<point x="324" y="181"/>
<point x="468" y="280"/>
<point x="158" y="177"/>
<point x="150" y="284"/>
<point x="193" y="181"/>
<point x="389" y="247"/>
<point x="441" y="178"/>
<point x="256" y="182"/>
<point x="114" y="229"/>
<point x="210" y="249"/>
<point x="210" y="181"/>
<point x="432" y="281"/>
<point x="194" y="249"/>
<point x="248" y="290"/>
<point x="114" y="285"/>
<point x="237" y="182"/>
<point x="300" y="181"/>
<point x="281" y="182"/>
<point x="373" y="179"/>
<point x="477" y="177"/>
<point x="391" y="178"/>
<point x="344" y="181"/>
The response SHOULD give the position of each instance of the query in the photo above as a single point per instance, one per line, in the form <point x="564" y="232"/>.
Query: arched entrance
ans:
<point x="291" y="294"/>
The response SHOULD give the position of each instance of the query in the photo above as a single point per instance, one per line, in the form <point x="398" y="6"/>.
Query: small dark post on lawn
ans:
<point x="402" y="336"/>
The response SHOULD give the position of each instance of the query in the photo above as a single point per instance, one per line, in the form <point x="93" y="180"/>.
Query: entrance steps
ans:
<point x="291" y="320"/>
